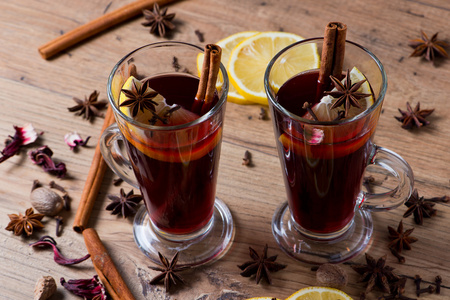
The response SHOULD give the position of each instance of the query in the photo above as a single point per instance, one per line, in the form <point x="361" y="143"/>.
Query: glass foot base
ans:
<point x="307" y="250"/>
<point x="202" y="249"/>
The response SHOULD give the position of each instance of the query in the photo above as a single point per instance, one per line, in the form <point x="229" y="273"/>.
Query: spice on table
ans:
<point x="23" y="136"/>
<point x="45" y="288"/>
<point x="57" y="256"/>
<point x="139" y="98"/>
<point x="117" y="181"/>
<point x="25" y="223"/>
<point x="247" y="159"/>
<point x="401" y="239"/>
<point x="45" y="200"/>
<point x="158" y="20"/>
<point x="86" y="288"/>
<point x="65" y="196"/>
<point x="200" y="35"/>
<point x="261" y="266"/>
<point x="168" y="271"/>
<point x="401" y="259"/>
<point x="42" y="156"/>
<point x="73" y="140"/>
<point x="416" y="117"/>
<point x="397" y="291"/>
<point x="59" y="222"/>
<point x="428" y="48"/>
<point x="263" y="114"/>
<point x="331" y="275"/>
<point x="421" y="207"/>
<point x="89" y="107"/>
<point x="428" y="290"/>
<point x="124" y="204"/>
<point x="417" y="281"/>
<point x="438" y="282"/>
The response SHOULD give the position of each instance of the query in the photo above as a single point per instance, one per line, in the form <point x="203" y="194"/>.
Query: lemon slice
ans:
<point x="227" y="44"/>
<point x="249" y="60"/>
<point x="263" y="298"/>
<point x="323" y="109"/>
<point x="319" y="293"/>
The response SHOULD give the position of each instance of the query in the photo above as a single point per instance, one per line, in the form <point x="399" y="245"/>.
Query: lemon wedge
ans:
<point x="323" y="109"/>
<point x="319" y="293"/>
<point x="249" y="59"/>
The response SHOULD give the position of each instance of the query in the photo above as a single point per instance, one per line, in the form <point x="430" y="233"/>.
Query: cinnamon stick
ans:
<point x="96" y="26"/>
<point x="93" y="182"/>
<point x="104" y="266"/>
<point x="333" y="52"/>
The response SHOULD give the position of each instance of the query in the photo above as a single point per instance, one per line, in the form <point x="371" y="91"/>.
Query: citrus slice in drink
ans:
<point x="323" y="109"/>
<point x="227" y="44"/>
<point x="249" y="60"/>
<point x="319" y="293"/>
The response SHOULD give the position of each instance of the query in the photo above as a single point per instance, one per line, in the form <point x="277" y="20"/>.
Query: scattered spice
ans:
<point x="45" y="200"/>
<point x="124" y="204"/>
<point x="117" y="181"/>
<point x="421" y="207"/>
<point x="59" y="259"/>
<point x="428" y="48"/>
<point x="438" y="282"/>
<point x="397" y="291"/>
<point x="73" y="140"/>
<point x="261" y="266"/>
<point x="59" y="222"/>
<point x="346" y="93"/>
<point x="139" y="98"/>
<point x="401" y="239"/>
<point x="416" y="117"/>
<point x="401" y="259"/>
<point x="428" y="290"/>
<point x="65" y="196"/>
<point x="158" y="20"/>
<point x="87" y="288"/>
<point x="42" y="156"/>
<point x="263" y="114"/>
<point x="168" y="271"/>
<point x="376" y="273"/>
<point x="45" y="288"/>
<point x="247" y="160"/>
<point x="417" y="281"/>
<point x="331" y="275"/>
<point x="200" y="35"/>
<point x="24" y="135"/>
<point x="89" y="108"/>
<point x="25" y="223"/>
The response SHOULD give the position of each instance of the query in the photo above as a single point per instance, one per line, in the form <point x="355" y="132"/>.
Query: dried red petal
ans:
<point x="42" y="156"/>
<point x="58" y="257"/>
<point x="24" y="135"/>
<point x="90" y="289"/>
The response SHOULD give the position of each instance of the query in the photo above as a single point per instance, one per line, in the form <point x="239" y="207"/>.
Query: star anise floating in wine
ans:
<point x="168" y="271"/>
<point x="139" y="98"/>
<point x="261" y="266"/>
<point x="124" y="204"/>
<point x="416" y="117"/>
<point x="346" y="93"/>
<point x="89" y="107"/>
<point x="428" y="48"/>
<point x="421" y="207"/>
<point x="25" y="223"/>
<point x="158" y="20"/>
<point x="401" y="239"/>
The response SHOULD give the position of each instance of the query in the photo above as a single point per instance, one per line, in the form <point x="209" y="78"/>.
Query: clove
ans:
<point x="401" y="259"/>
<point x="307" y="106"/>
<point x="417" y="281"/>
<point x="438" y="282"/>
<point x="430" y="289"/>
<point x="247" y="160"/>
<point x="59" y="222"/>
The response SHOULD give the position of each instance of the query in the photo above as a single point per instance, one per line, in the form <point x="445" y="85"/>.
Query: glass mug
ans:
<point x="327" y="216"/>
<point x="174" y="166"/>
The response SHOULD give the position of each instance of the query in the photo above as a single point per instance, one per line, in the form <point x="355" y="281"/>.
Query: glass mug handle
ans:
<point x="396" y="166"/>
<point x="111" y="146"/>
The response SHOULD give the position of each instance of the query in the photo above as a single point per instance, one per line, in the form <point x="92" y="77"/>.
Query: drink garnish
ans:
<point x="140" y="97"/>
<point x="158" y="20"/>
<point x="428" y="48"/>
<point x="416" y="117"/>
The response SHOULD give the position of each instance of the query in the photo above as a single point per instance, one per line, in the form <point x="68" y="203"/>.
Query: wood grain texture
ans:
<point x="38" y="91"/>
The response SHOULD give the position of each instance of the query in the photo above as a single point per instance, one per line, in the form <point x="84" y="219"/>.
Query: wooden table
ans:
<point x="39" y="91"/>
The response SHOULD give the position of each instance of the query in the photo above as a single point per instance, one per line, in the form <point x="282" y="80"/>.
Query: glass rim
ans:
<point x="197" y="121"/>
<point x="368" y="111"/>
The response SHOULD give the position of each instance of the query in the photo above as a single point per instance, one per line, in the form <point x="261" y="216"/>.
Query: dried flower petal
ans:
<point x="74" y="140"/>
<point x="42" y="157"/>
<point x="24" y="135"/>
<point x="58" y="257"/>
<point x="90" y="289"/>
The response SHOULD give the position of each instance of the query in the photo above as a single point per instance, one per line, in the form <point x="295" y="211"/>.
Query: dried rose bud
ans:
<point x="87" y="288"/>
<point x="24" y="135"/>
<point x="316" y="136"/>
<point x="42" y="156"/>
<point x="59" y="259"/>
<point x="74" y="140"/>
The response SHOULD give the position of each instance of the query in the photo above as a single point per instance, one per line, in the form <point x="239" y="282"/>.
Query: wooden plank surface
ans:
<point x="38" y="91"/>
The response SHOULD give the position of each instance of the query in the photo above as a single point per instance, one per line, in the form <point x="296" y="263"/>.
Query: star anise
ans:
<point x="428" y="48"/>
<point x="139" y="98"/>
<point x="416" y="117"/>
<point x="346" y="93"/>
<point x="376" y="273"/>
<point x="89" y="107"/>
<point x="421" y="207"/>
<point x="169" y="270"/>
<point x="20" y="223"/>
<point x="261" y="266"/>
<point x="401" y="239"/>
<point x="124" y="204"/>
<point x="397" y="290"/>
<point x="158" y="19"/>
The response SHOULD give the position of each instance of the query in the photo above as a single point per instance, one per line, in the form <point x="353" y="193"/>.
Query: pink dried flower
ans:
<point x="24" y="135"/>
<point x="90" y="289"/>
<point x="317" y="136"/>
<point x="73" y="139"/>
<point x="59" y="259"/>
<point x="42" y="156"/>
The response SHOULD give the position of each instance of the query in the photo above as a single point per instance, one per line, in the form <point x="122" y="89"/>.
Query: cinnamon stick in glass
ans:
<point x="96" y="26"/>
<point x="104" y="266"/>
